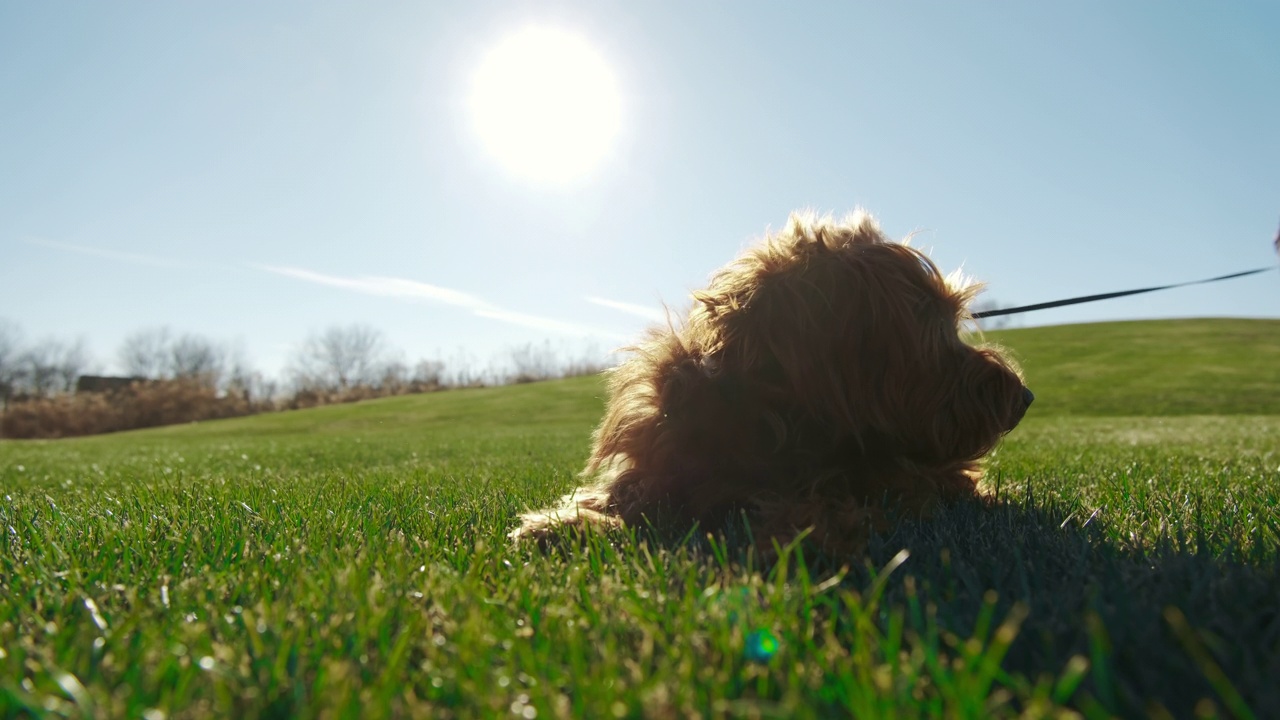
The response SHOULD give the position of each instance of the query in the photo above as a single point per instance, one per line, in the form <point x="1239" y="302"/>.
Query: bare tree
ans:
<point x="340" y="357"/>
<point x="531" y="363"/>
<point x="50" y="367"/>
<point x="463" y="370"/>
<point x="146" y="353"/>
<point x="10" y="349"/>
<point x="250" y="385"/>
<point x="427" y="374"/>
<point x="74" y="361"/>
<point x="239" y="377"/>
<point x="198" y="358"/>
<point x="36" y="372"/>
<point x="589" y="360"/>
<point x="393" y="377"/>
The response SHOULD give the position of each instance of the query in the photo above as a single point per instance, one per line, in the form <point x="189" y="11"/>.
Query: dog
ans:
<point x="819" y="385"/>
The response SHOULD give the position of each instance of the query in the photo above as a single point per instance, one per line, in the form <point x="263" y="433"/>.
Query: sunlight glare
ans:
<point x="546" y="105"/>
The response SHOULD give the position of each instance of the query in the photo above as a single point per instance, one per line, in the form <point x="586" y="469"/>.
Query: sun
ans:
<point x="546" y="105"/>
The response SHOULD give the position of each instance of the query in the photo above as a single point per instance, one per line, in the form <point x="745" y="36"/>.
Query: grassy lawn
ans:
<point x="351" y="561"/>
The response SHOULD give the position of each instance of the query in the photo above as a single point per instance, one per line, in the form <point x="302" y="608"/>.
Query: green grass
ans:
<point x="351" y="561"/>
<point x="1213" y="366"/>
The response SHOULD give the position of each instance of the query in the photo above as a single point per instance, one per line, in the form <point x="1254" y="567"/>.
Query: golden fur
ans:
<point x="818" y="382"/>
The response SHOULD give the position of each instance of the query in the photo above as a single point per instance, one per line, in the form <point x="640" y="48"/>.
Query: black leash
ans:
<point x="1108" y="296"/>
<point x="1122" y="293"/>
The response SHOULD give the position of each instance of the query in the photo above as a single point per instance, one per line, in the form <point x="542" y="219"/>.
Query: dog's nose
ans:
<point x="1028" y="397"/>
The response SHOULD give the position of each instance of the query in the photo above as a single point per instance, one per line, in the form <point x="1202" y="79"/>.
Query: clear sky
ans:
<point x="254" y="171"/>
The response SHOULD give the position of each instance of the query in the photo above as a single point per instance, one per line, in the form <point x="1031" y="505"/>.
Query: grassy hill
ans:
<point x="352" y="561"/>
<point x="1145" y="368"/>
<point x="1155" y="367"/>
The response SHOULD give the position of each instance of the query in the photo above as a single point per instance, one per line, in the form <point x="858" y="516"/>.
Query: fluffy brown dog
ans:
<point x="819" y="383"/>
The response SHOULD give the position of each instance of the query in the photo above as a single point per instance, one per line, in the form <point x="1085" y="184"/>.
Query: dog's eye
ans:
<point x="710" y="366"/>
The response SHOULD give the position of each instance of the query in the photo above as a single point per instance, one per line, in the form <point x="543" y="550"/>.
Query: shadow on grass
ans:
<point x="1090" y="594"/>
<point x="1164" y="626"/>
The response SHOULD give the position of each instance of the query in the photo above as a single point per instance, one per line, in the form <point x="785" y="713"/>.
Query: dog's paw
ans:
<point x="550" y="528"/>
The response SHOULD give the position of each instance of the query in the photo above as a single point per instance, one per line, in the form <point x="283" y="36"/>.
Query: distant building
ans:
<point x="104" y="383"/>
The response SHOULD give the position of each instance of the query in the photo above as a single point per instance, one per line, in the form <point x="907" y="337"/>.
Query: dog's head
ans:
<point x="863" y="335"/>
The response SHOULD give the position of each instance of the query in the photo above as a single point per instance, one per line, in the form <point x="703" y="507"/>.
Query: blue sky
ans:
<point x="255" y="171"/>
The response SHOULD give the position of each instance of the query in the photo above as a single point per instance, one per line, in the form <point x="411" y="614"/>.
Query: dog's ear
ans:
<point x="668" y="389"/>
<point x="715" y="330"/>
<point x="682" y="383"/>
